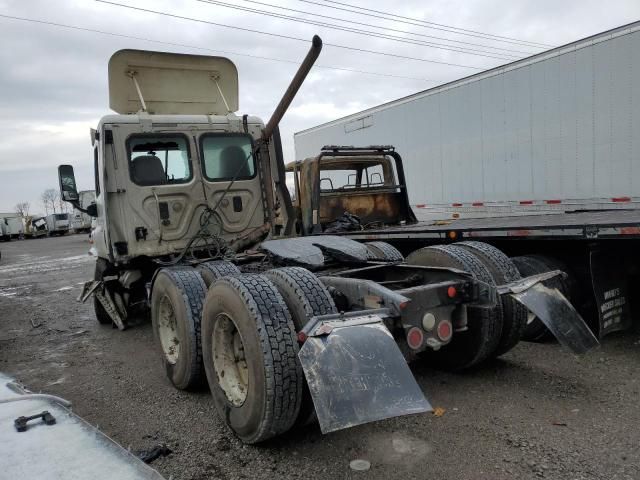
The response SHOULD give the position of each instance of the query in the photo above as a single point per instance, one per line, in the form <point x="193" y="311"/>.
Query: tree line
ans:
<point x="51" y="201"/>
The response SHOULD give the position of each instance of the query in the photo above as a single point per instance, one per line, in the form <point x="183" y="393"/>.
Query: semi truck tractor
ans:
<point x="194" y="223"/>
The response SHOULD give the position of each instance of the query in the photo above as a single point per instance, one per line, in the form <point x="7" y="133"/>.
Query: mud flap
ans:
<point x="559" y="316"/>
<point x="97" y="289"/>
<point x="357" y="374"/>
<point x="609" y="280"/>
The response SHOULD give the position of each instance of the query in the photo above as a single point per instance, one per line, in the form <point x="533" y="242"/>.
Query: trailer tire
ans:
<point x="176" y="308"/>
<point x="535" y="330"/>
<point x="503" y="270"/>
<point x="215" y="269"/>
<point x="250" y="356"/>
<point x="480" y="340"/>
<point x="102" y="316"/>
<point x="384" y="251"/>
<point x="305" y="296"/>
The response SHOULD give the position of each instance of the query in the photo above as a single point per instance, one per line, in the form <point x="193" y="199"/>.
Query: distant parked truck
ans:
<point x="14" y="224"/>
<point x="81" y="222"/>
<point x="58" y="223"/>
<point x="35" y="226"/>
<point x="4" y="231"/>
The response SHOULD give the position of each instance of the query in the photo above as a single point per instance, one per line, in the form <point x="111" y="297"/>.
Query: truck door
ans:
<point x="238" y="205"/>
<point x="157" y="192"/>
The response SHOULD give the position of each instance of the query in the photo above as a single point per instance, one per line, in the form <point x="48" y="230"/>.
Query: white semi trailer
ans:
<point x="81" y="222"/>
<point x="540" y="157"/>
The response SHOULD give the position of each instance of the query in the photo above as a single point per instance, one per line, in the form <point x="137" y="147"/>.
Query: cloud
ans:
<point x="54" y="80"/>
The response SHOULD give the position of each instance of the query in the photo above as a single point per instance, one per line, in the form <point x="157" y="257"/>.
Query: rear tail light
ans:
<point x="415" y="338"/>
<point x="445" y="330"/>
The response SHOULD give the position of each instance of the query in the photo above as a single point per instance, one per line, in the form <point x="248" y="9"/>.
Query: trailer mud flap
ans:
<point x="609" y="280"/>
<point x="357" y="374"/>
<point x="555" y="311"/>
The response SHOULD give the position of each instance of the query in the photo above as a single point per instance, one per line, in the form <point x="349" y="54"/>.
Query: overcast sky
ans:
<point x="53" y="80"/>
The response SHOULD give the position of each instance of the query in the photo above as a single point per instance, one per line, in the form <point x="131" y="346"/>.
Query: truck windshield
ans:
<point x="227" y="156"/>
<point x="360" y="175"/>
<point x="62" y="216"/>
<point x="158" y="159"/>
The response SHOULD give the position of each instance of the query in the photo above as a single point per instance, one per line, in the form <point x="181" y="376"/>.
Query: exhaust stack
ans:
<point x="294" y="86"/>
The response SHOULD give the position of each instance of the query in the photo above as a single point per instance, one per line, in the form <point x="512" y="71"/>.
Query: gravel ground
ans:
<point x="538" y="412"/>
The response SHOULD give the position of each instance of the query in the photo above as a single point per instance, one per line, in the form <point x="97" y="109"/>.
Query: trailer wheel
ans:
<point x="484" y="326"/>
<point x="384" y="251"/>
<point x="176" y="307"/>
<point x="102" y="316"/>
<point x="503" y="270"/>
<point x="213" y="270"/>
<point x="527" y="265"/>
<point x="305" y="296"/>
<point x="251" y="357"/>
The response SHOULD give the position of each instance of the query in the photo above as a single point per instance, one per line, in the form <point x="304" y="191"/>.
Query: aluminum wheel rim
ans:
<point x="168" y="330"/>
<point x="229" y="360"/>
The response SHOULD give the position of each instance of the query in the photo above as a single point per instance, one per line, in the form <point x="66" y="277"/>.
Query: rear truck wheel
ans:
<point x="250" y="356"/>
<point x="484" y="326"/>
<point x="176" y="308"/>
<point x="215" y="269"/>
<point x="503" y="270"/>
<point x="306" y="297"/>
<point x="527" y="265"/>
<point x="101" y="271"/>
<point x="384" y="251"/>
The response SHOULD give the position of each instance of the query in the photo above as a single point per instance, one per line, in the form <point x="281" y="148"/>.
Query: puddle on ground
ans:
<point x="398" y="449"/>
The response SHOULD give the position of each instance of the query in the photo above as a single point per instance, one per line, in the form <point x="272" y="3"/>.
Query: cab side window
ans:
<point x="227" y="157"/>
<point x="159" y="159"/>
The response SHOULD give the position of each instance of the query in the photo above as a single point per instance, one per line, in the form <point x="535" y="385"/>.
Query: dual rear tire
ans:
<point x="250" y="357"/>
<point x="239" y="336"/>
<point x="484" y="325"/>
<point x="491" y="332"/>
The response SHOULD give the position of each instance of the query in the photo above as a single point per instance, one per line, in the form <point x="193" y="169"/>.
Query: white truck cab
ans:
<point x="176" y="162"/>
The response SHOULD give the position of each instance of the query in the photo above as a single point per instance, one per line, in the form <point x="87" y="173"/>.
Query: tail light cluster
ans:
<point x="440" y="331"/>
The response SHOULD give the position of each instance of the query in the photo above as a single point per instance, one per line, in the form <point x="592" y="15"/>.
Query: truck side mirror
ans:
<point x="68" y="190"/>
<point x="92" y="210"/>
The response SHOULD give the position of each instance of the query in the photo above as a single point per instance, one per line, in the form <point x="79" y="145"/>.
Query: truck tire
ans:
<point x="528" y="265"/>
<point x="250" y="356"/>
<point x="484" y="326"/>
<point x="503" y="270"/>
<point x="177" y="297"/>
<point x="215" y="269"/>
<point x="567" y="286"/>
<point x="384" y="251"/>
<point x="102" y="316"/>
<point x="305" y="296"/>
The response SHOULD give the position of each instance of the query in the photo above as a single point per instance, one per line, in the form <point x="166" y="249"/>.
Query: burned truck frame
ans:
<point x="194" y="223"/>
<point x="369" y="183"/>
